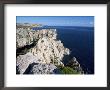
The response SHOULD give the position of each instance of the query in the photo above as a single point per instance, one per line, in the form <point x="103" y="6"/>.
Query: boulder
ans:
<point x="23" y="61"/>
<point x="40" y="68"/>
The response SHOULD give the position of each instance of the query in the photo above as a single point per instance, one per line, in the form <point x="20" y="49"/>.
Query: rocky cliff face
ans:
<point x="40" y="52"/>
<point x="28" y="36"/>
<point x="46" y="50"/>
<point x="73" y="63"/>
<point x="28" y="63"/>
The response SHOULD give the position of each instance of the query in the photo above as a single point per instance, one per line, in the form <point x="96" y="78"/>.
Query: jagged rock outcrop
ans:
<point x="40" y="68"/>
<point x="23" y="61"/>
<point x="41" y="52"/>
<point x="28" y="36"/>
<point x="24" y="37"/>
<point x="73" y="63"/>
<point x="35" y="66"/>
<point x="47" y="49"/>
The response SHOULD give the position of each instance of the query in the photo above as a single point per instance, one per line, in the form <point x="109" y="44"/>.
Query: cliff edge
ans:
<point x="39" y="51"/>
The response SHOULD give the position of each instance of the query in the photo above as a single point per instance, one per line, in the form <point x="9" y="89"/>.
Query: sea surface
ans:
<point x="80" y="41"/>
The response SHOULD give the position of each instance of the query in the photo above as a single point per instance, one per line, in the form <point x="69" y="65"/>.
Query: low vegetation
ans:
<point x="68" y="70"/>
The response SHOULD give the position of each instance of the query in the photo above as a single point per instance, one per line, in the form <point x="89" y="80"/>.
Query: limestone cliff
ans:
<point x="46" y="50"/>
<point x="40" y="52"/>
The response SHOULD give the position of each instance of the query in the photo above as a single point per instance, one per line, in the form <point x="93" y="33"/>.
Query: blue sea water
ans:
<point x="80" y="41"/>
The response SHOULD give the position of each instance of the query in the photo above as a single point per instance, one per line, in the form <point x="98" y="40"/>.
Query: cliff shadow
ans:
<point x="25" y="49"/>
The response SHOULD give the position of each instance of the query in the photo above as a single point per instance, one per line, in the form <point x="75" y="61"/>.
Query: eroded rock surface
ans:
<point x="23" y="61"/>
<point x="48" y="51"/>
<point x="73" y="63"/>
<point x="40" y="68"/>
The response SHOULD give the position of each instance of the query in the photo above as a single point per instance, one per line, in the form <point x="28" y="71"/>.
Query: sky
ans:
<point x="58" y="20"/>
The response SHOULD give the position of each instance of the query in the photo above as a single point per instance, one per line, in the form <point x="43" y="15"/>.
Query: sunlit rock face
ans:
<point x="47" y="49"/>
<point x="35" y="66"/>
<point x="40" y="68"/>
<point x="23" y="37"/>
<point x="27" y="36"/>
<point x="23" y="61"/>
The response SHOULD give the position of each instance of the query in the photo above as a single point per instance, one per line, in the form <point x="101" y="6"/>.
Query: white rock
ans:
<point x="23" y="61"/>
<point x="47" y="49"/>
<point x="40" y="68"/>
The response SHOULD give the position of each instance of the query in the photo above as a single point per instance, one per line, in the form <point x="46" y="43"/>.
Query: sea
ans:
<point x="80" y="41"/>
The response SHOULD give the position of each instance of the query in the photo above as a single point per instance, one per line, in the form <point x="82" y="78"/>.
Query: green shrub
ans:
<point x="68" y="70"/>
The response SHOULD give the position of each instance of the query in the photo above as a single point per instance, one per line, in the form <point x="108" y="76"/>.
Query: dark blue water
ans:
<point x="80" y="41"/>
